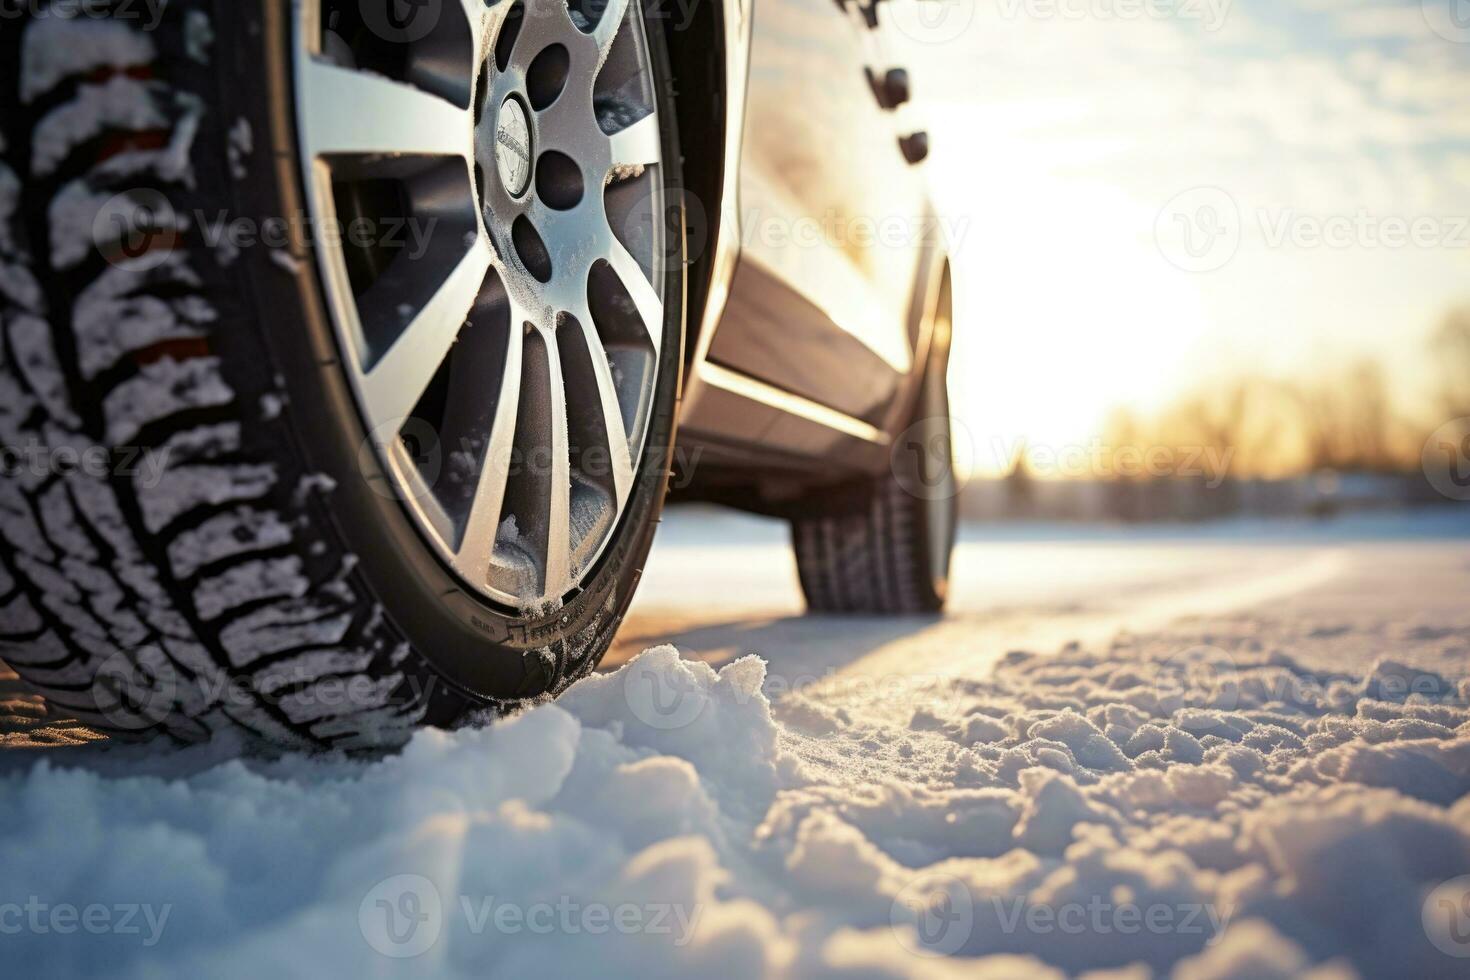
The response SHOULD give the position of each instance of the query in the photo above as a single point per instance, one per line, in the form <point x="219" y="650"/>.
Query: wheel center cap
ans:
<point x="513" y="147"/>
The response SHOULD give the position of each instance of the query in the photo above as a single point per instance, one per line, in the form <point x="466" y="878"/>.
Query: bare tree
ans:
<point x="1451" y="350"/>
<point x="1350" y="422"/>
<point x="1346" y="419"/>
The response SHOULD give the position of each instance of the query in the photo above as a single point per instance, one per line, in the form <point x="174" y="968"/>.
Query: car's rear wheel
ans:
<point x="884" y="545"/>
<point x="378" y="356"/>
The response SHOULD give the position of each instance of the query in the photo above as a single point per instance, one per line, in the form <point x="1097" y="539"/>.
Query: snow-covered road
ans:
<point x="1241" y="752"/>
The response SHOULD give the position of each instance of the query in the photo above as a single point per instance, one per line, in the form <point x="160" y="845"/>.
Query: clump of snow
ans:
<point x="120" y="103"/>
<point x="116" y="314"/>
<point x="619" y="172"/>
<point x="311" y="485"/>
<point x="241" y="145"/>
<point x="161" y="388"/>
<point x="1253" y="949"/>
<point x="1228" y="812"/>
<point x="508" y="533"/>
<point x="684" y="708"/>
<point x="56" y="48"/>
<point x="198" y="35"/>
<point x="286" y="261"/>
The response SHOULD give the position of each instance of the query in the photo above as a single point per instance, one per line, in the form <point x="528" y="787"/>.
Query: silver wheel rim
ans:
<point x="504" y="354"/>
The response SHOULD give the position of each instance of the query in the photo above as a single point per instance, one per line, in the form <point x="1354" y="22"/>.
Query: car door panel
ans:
<point x="829" y="210"/>
<point x="770" y="331"/>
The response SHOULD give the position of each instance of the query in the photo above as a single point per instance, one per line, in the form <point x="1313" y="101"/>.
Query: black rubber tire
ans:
<point x="222" y="562"/>
<point x="868" y="548"/>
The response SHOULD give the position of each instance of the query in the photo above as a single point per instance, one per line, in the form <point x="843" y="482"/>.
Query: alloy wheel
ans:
<point x="487" y="210"/>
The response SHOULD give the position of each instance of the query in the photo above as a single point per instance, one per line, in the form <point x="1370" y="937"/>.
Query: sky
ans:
<point x="1151" y="194"/>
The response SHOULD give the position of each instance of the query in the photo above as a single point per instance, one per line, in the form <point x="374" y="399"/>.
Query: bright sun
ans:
<point x="1065" y="311"/>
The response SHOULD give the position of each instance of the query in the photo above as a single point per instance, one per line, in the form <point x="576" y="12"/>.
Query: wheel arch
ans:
<point x="700" y="55"/>
<point x="931" y="328"/>
<point x="941" y="334"/>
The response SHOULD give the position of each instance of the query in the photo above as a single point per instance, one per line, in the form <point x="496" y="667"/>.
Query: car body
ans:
<point x="814" y="280"/>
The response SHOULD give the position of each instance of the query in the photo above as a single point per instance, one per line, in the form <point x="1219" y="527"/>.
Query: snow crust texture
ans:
<point x="1197" y="805"/>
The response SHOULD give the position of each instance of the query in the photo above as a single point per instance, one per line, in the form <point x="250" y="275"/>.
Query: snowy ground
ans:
<point x="1237" y="753"/>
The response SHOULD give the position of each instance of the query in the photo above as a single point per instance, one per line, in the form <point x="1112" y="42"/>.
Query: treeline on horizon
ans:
<point x="1344" y="420"/>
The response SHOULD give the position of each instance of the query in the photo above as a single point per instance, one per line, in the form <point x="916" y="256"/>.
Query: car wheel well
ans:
<point x="700" y="97"/>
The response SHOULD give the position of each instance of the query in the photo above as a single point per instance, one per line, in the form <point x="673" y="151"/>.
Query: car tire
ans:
<point x="196" y="534"/>
<point x="883" y="546"/>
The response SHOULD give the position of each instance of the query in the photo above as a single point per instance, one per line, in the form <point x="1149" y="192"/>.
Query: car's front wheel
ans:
<point x="346" y="338"/>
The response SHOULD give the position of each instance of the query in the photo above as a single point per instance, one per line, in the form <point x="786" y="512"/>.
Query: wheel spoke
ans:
<point x="393" y="387"/>
<point x="638" y="145"/>
<point x="473" y="558"/>
<point x="358" y="112"/>
<point x="607" y="28"/>
<point x="645" y="297"/>
<point x="612" y="409"/>
<point x="480" y="18"/>
<point x="559" y="487"/>
<point x="486" y="18"/>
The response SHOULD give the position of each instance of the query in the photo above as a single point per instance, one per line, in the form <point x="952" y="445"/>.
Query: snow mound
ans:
<point x="1221" y="812"/>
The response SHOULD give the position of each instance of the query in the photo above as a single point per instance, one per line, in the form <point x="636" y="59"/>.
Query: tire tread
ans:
<point x="112" y="571"/>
